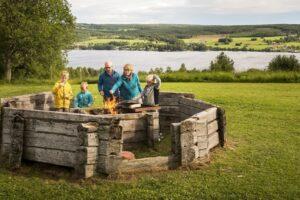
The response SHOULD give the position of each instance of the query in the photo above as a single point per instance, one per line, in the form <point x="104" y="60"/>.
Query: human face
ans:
<point x="64" y="78"/>
<point x="149" y="83"/>
<point x="126" y="71"/>
<point x="84" y="87"/>
<point x="108" y="67"/>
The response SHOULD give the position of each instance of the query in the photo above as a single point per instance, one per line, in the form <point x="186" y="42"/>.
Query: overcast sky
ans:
<point x="187" y="11"/>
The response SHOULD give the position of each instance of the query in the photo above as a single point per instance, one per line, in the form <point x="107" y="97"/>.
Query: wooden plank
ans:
<point x="5" y="149"/>
<point x="147" y="164"/>
<point x="175" y="94"/>
<point x="212" y="127"/>
<point x="86" y="171"/>
<point x="51" y="141"/>
<point x="165" y="101"/>
<point x="134" y="125"/>
<point x="51" y="156"/>
<point x="209" y="115"/>
<point x="169" y="109"/>
<point x="91" y="140"/>
<point x="175" y="137"/>
<point x="87" y="155"/>
<point x="195" y="103"/>
<point x="189" y="110"/>
<point x="112" y="147"/>
<point x="222" y="125"/>
<point x="17" y="132"/>
<point x="60" y="116"/>
<point x="51" y="126"/>
<point x="213" y="140"/>
<point x="149" y="108"/>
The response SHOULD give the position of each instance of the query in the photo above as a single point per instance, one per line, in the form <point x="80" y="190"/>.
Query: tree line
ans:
<point x="34" y="35"/>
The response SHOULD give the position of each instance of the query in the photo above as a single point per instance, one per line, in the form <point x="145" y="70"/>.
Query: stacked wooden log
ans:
<point x="40" y="101"/>
<point x="170" y="112"/>
<point x="202" y="129"/>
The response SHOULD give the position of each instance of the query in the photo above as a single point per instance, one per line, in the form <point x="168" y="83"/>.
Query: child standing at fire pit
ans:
<point x="63" y="94"/>
<point x="84" y="98"/>
<point x="151" y="90"/>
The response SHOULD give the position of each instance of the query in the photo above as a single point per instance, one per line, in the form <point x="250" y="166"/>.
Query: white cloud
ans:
<point x="174" y="11"/>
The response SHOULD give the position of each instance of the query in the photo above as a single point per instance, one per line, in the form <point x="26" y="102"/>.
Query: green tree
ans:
<point x="33" y="37"/>
<point x="182" y="68"/>
<point x="169" y="70"/>
<point x="284" y="63"/>
<point x="222" y="63"/>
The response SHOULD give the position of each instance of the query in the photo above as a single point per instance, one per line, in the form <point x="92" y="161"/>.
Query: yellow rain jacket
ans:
<point x="62" y="95"/>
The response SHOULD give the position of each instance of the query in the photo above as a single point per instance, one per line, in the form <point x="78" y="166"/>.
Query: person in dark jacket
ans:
<point x="106" y="81"/>
<point x="129" y="85"/>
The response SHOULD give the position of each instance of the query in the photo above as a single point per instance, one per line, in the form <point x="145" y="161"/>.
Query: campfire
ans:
<point x="110" y="106"/>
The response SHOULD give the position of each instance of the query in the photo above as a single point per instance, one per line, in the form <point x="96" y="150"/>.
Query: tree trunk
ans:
<point x="8" y="69"/>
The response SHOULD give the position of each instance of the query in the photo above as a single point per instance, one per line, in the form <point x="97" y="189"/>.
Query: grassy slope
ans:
<point x="259" y="44"/>
<point x="209" y="40"/>
<point x="261" y="160"/>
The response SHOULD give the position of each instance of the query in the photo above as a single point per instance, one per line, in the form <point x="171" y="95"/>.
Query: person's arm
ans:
<point x="91" y="100"/>
<point x="100" y="83"/>
<point x="116" y="85"/>
<point x="158" y="81"/>
<point x="55" y="88"/>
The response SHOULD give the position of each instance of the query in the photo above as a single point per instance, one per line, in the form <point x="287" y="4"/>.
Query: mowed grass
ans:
<point x="258" y="44"/>
<point x="260" y="161"/>
<point x="95" y="40"/>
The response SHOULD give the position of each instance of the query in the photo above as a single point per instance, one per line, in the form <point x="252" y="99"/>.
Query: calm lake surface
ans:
<point x="144" y="60"/>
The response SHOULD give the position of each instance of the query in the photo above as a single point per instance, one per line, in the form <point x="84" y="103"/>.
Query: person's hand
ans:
<point x="101" y="93"/>
<point x="111" y="92"/>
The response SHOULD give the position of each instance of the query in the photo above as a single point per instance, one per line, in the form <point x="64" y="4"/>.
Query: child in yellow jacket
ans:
<point x="62" y="93"/>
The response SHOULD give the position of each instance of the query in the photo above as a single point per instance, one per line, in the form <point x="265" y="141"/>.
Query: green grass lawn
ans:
<point x="261" y="160"/>
<point x="258" y="44"/>
<point x="95" y="40"/>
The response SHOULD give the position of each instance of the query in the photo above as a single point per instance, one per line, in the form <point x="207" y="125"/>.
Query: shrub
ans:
<point x="222" y="63"/>
<point x="284" y="63"/>
<point x="225" y="40"/>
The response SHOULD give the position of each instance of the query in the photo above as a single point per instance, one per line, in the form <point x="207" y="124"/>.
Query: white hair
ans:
<point x="150" y="78"/>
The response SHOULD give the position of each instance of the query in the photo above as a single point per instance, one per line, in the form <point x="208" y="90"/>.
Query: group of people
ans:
<point x="111" y="84"/>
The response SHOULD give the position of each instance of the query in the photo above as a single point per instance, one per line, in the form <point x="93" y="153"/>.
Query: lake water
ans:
<point x="144" y="60"/>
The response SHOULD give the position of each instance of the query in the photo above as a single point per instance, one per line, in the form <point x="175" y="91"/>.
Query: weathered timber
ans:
<point x="51" y="156"/>
<point x="134" y="125"/>
<point x="86" y="171"/>
<point x="109" y="164"/>
<point x="147" y="164"/>
<point x="194" y="103"/>
<point x="213" y="140"/>
<point x="144" y="109"/>
<point x="111" y="147"/>
<point x="16" y="133"/>
<point x="175" y="137"/>
<point x="134" y="136"/>
<point x="87" y="155"/>
<point x="51" y="141"/>
<point x="212" y="127"/>
<point x="222" y="125"/>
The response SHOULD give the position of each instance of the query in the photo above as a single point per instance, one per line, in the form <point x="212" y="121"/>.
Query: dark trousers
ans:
<point x="156" y="96"/>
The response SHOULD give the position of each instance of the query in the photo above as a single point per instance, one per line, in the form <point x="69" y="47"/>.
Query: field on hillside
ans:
<point x="260" y="161"/>
<point x="211" y="41"/>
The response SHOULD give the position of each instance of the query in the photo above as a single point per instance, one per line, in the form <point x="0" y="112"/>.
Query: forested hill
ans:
<point x="160" y="31"/>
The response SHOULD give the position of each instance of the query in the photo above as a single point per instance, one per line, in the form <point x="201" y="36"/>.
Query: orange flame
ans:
<point x="111" y="105"/>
